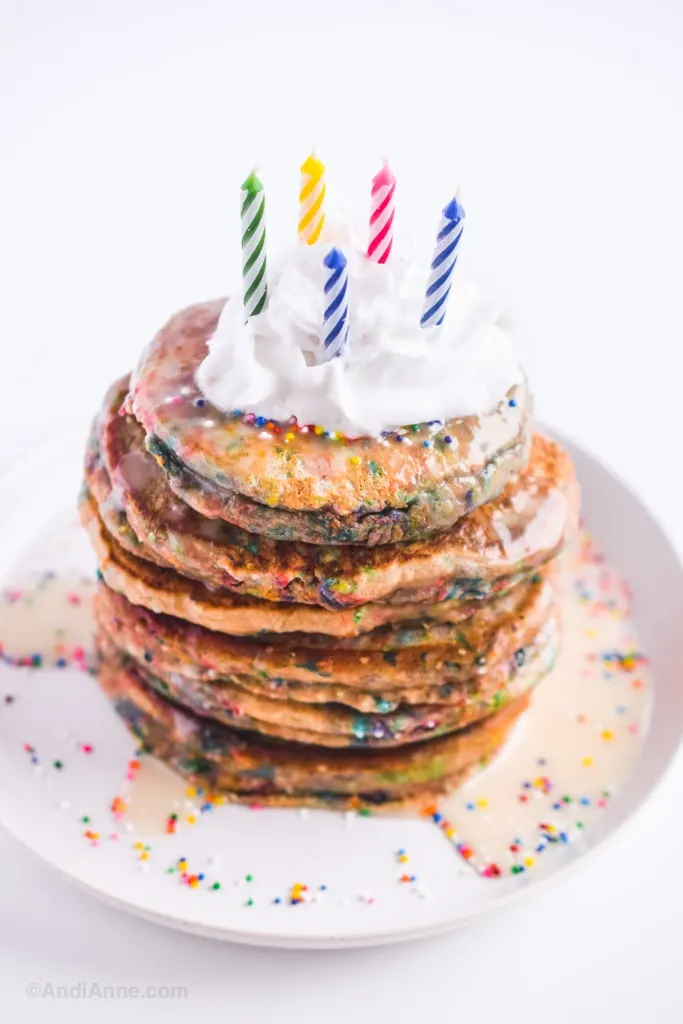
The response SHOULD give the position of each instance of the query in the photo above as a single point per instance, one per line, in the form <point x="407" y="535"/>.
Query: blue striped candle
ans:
<point x="336" y="317"/>
<point x="443" y="264"/>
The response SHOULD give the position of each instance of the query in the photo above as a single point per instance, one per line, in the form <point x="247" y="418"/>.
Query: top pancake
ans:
<point x="524" y="527"/>
<point x="305" y="487"/>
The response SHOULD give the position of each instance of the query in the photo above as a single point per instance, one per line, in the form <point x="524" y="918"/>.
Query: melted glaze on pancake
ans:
<point x="369" y="490"/>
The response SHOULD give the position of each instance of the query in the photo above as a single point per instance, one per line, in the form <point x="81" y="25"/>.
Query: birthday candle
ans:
<point x="336" y="317"/>
<point x="382" y="215"/>
<point x="255" y="283"/>
<point x="311" y="199"/>
<point x="443" y="264"/>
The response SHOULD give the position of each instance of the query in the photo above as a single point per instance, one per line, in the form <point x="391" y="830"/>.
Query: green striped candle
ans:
<point x="255" y="287"/>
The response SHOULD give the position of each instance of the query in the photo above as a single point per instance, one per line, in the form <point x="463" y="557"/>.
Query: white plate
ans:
<point x="353" y="858"/>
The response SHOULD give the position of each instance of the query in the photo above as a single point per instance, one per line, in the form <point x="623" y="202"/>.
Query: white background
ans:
<point x="126" y="128"/>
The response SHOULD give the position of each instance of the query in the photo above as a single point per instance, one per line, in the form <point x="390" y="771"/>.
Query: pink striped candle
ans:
<point x="382" y="215"/>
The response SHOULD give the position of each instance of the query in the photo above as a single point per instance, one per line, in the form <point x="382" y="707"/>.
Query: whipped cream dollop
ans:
<point x="392" y="373"/>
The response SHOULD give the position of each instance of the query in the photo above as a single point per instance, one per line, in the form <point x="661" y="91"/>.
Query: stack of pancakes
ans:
<point x="290" y="617"/>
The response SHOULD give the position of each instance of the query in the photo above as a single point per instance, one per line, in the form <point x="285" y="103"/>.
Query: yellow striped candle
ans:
<point x="311" y="200"/>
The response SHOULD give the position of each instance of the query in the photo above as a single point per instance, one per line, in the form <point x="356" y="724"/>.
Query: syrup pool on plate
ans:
<point x="578" y="742"/>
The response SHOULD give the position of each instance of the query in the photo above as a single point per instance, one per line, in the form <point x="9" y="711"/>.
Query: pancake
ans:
<point x="511" y="536"/>
<point x="397" y="661"/>
<point x="98" y="489"/>
<point x="244" y="769"/>
<point x="165" y="592"/>
<point x="333" y="725"/>
<point x="307" y="487"/>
